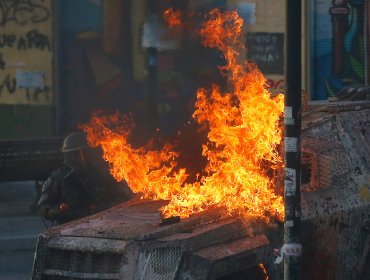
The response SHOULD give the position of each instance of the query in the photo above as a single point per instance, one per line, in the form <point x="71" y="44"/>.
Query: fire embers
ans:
<point x="241" y="147"/>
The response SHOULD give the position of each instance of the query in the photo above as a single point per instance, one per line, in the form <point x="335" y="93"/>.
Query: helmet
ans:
<point x="74" y="142"/>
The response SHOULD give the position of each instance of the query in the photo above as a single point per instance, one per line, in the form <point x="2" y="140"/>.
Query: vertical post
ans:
<point x="152" y="78"/>
<point x="152" y="88"/>
<point x="292" y="119"/>
<point x="57" y="76"/>
<point x="367" y="41"/>
<point x="339" y="13"/>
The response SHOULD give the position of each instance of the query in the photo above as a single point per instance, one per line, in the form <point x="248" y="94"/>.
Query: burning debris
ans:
<point x="242" y="147"/>
<point x="135" y="241"/>
<point x="173" y="18"/>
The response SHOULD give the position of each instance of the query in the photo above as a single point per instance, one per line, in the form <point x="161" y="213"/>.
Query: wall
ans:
<point x="77" y="33"/>
<point x="340" y="46"/>
<point x="265" y="43"/>
<point x="189" y="66"/>
<point x="102" y="63"/>
<point x="335" y="191"/>
<point x="94" y="61"/>
<point x="139" y="64"/>
<point x="26" y="68"/>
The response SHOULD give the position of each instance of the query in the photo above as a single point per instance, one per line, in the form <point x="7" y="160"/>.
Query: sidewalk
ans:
<point x="19" y="229"/>
<point x="15" y="276"/>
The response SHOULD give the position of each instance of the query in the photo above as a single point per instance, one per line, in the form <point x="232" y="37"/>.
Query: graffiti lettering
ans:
<point x="33" y="39"/>
<point x="275" y="84"/>
<point x="265" y="38"/>
<point x="2" y="63"/>
<point x="35" y="93"/>
<point x="267" y="51"/>
<point x="22" y="12"/>
<point x="267" y="58"/>
<point x="9" y="84"/>
<point x="264" y="48"/>
<point x="7" y="40"/>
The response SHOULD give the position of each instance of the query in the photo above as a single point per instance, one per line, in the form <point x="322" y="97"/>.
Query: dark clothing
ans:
<point x="82" y="194"/>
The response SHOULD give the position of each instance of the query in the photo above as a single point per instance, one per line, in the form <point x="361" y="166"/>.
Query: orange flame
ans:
<point x="264" y="271"/>
<point x="242" y="142"/>
<point x="173" y="18"/>
<point x="149" y="173"/>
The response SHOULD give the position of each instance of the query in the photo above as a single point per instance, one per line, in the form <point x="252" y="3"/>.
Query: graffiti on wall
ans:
<point x="25" y="49"/>
<point x="276" y="82"/>
<point x="340" y="46"/>
<point x="23" y="12"/>
<point x="267" y="51"/>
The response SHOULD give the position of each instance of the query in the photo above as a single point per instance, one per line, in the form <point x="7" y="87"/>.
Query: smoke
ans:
<point x="157" y="35"/>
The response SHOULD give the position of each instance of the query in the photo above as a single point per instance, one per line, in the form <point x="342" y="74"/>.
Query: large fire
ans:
<point x="242" y="146"/>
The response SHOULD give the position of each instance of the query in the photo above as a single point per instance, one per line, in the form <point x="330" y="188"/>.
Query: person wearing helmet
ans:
<point x="83" y="186"/>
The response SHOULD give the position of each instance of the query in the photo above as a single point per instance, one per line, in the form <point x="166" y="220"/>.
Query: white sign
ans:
<point x="289" y="188"/>
<point x="30" y="79"/>
<point x="289" y="223"/>
<point x="289" y="121"/>
<point x="290" y="181"/>
<point x="292" y="249"/>
<point x="291" y="144"/>
<point x="288" y="112"/>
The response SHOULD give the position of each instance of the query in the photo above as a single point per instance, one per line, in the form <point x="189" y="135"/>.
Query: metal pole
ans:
<point x="57" y="69"/>
<point x="292" y="119"/>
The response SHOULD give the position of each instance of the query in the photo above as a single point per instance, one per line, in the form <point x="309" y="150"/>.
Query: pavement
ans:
<point x="15" y="276"/>
<point x="19" y="230"/>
